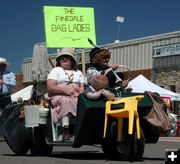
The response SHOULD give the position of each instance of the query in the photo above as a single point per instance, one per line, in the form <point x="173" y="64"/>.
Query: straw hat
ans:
<point x="67" y="51"/>
<point x="94" y="51"/>
<point x="97" y="52"/>
<point x="4" y="61"/>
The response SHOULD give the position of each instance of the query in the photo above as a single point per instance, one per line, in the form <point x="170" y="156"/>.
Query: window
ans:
<point x="173" y="88"/>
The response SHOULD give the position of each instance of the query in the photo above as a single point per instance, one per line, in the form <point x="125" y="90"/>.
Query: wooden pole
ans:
<point x="83" y="57"/>
<point x="58" y="51"/>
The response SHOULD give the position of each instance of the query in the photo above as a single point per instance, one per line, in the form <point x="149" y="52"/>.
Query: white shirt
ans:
<point x="63" y="76"/>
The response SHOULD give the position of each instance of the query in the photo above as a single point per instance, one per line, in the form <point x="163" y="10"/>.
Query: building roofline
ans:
<point x="126" y="42"/>
<point x="143" y="39"/>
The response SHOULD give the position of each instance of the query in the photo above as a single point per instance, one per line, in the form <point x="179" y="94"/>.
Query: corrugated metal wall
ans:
<point x="27" y="70"/>
<point x="169" y="61"/>
<point x="135" y="54"/>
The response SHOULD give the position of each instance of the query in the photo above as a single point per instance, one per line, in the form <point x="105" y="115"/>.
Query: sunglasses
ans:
<point x="106" y="57"/>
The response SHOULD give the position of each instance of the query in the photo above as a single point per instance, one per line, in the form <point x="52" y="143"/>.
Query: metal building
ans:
<point x="158" y="55"/>
<point x="140" y="55"/>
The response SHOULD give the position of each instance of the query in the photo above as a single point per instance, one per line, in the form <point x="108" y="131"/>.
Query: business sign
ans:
<point x="69" y="26"/>
<point x="167" y="50"/>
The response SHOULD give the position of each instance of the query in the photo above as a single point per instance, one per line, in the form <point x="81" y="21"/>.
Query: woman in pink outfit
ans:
<point x="65" y="83"/>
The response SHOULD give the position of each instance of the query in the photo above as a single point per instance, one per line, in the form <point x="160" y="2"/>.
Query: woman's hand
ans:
<point x="55" y="88"/>
<point x="81" y="88"/>
<point x="125" y="83"/>
<point x="68" y="89"/>
<point x="115" y="66"/>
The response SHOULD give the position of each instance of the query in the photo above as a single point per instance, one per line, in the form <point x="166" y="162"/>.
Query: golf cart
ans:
<point x="87" y="128"/>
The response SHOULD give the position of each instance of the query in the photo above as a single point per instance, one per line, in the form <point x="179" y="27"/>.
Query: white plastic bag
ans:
<point x="173" y="120"/>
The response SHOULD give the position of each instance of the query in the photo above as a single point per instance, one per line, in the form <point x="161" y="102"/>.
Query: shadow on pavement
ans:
<point x="153" y="159"/>
<point x="80" y="155"/>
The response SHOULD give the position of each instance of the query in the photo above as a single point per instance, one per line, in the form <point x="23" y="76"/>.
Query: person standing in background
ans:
<point x="7" y="82"/>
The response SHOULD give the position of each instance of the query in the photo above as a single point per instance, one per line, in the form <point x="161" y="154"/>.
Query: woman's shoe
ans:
<point x="66" y="133"/>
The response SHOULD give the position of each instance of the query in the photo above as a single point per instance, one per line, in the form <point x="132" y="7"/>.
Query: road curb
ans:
<point x="170" y="139"/>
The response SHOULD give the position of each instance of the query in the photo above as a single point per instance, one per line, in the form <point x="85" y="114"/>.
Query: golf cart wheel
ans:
<point x="138" y="147"/>
<point x="129" y="149"/>
<point x="39" y="146"/>
<point x="18" y="152"/>
<point x="118" y="151"/>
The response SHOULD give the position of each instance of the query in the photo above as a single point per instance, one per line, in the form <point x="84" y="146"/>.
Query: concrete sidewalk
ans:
<point x="169" y="139"/>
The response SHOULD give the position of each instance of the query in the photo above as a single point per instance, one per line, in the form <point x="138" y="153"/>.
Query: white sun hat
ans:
<point x="4" y="61"/>
<point x="67" y="51"/>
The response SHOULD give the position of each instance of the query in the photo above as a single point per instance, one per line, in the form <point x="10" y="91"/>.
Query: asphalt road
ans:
<point x="154" y="153"/>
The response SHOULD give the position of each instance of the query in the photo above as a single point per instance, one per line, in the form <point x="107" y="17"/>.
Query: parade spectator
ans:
<point x="7" y="82"/>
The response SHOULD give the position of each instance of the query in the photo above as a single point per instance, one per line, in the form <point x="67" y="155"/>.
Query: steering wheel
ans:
<point x="121" y="69"/>
<point x="121" y="80"/>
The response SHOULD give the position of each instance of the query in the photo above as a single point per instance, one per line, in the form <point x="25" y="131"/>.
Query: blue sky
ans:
<point x="22" y="22"/>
